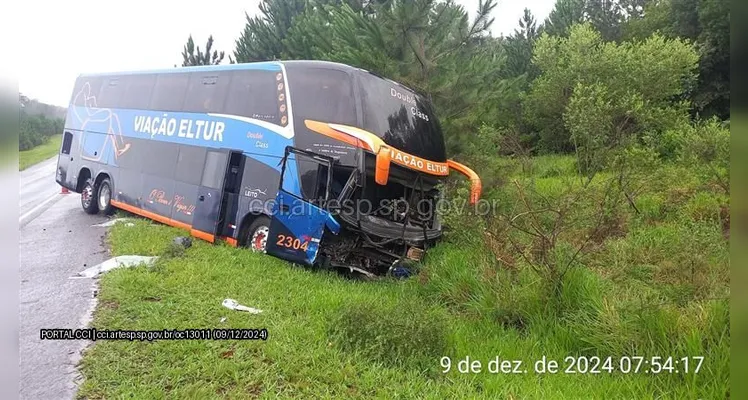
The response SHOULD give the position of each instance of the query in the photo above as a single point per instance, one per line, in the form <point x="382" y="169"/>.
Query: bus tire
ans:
<point x="257" y="234"/>
<point x="104" y="197"/>
<point x="88" y="197"/>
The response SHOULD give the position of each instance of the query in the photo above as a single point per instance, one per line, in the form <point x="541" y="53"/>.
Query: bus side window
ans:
<point x="67" y="142"/>
<point x="214" y="170"/>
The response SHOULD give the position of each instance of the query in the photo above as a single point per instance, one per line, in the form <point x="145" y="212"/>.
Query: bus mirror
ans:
<point x="382" y="171"/>
<point x="475" y="183"/>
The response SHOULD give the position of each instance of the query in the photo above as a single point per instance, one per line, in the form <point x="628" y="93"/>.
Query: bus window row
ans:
<point x="248" y="93"/>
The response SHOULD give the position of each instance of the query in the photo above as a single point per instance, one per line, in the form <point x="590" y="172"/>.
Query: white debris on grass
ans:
<point x="234" y="305"/>
<point x="112" y="263"/>
<point x="111" y="222"/>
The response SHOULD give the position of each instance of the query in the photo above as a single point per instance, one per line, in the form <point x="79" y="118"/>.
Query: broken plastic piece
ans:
<point x="111" y="222"/>
<point x="112" y="263"/>
<point x="234" y="305"/>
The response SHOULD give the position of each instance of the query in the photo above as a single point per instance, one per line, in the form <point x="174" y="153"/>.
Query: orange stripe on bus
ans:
<point x="323" y="128"/>
<point x="164" y="220"/>
<point x="203" y="235"/>
<point x="151" y="215"/>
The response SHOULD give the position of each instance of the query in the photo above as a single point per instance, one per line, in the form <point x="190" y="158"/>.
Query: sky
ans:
<point x="58" y="40"/>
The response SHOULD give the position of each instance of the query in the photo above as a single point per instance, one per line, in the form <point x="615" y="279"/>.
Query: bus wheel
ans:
<point x="258" y="234"/>
<point x="104" y="197"/>
<point x="87" y="198"/>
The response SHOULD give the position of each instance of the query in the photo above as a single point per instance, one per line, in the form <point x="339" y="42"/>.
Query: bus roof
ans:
<point x="261" y="65"/>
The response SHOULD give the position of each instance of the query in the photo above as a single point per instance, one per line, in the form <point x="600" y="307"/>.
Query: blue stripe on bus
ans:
<point x="265" y="66"/>
<point x="101" y="125"/>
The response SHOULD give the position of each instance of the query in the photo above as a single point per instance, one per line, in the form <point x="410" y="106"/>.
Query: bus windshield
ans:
<point x="401" y="118"/>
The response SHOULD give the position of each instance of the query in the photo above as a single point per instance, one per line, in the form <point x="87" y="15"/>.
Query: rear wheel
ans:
<point x="88" y="201"/>
<point x="257" y="234"/>
<point x="104" y="197"/>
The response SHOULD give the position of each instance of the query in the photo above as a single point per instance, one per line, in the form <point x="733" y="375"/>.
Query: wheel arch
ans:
<point x="247" y="219"/>
<point x="83" y="174"/>
<point x="104" y="175"/>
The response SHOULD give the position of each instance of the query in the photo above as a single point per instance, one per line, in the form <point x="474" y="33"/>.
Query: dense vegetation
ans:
<point x="38" y="122"/>
<point x="602" y="138"/>
<point x="36" y="130"/>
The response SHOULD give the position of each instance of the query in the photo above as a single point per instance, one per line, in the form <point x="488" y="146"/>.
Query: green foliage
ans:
<point x="606" y="16"/>
<point x="705" y="22"/>
<point x="263" y="35"/>
<point x="601" y="93"/>
<point x="36" y="130"/>
<point x="706" y="148"/>
<point x="192" y="56"/>
<point x="564" y="15"/>
<point x="519" y="47"/>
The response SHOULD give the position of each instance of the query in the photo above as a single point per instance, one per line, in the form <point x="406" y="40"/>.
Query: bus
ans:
<point x="317" y="163"/>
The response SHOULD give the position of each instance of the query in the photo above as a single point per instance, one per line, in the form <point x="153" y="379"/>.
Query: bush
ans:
<point x="36" y="130"/>
<point x="706" y="149"/>
<point x="403" y="335"/>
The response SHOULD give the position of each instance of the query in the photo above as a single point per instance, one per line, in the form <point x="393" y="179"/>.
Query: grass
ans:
<point x="39" y="153"/>
<point x="658" y="289"/>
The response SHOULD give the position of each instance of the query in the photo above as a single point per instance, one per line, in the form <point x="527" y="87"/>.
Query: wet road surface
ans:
<point x="56" y="241"/>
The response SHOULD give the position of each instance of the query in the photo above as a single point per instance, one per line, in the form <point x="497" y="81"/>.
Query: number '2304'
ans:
<point x="291" y="242"/>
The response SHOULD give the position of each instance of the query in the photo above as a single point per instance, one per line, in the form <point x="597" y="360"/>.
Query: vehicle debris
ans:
<point x="234" y="305"/>
<point x="113" y="221"/>
<point x="183" y="241"/>
<point x="112" y="263"/>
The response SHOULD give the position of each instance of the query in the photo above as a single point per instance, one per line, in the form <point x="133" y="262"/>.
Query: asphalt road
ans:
<point x="56" y="241"/>
<point x="37" y="185"/>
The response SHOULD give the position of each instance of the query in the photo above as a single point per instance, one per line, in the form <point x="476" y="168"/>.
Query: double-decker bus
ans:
<point x="317" y="163"/>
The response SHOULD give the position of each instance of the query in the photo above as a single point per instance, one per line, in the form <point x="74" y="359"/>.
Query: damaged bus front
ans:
<point x="369" y="154"/>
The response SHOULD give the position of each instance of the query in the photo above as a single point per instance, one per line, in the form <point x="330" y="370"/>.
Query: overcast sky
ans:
<point x="57" y="40"/>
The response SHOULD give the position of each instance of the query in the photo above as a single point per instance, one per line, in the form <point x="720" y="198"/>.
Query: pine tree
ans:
<point x="262" y="38"/>
<point x="194" y="56"/>
<point x="519" y="48"/>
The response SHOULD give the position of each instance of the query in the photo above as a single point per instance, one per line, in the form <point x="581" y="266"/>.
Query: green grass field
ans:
<point x="656" y="288"/>
<point x="39" y="153"/>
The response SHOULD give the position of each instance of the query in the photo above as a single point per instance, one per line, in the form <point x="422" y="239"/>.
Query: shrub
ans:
<point x="706" y="149"/>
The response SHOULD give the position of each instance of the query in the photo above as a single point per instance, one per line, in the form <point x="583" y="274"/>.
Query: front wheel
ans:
<point x="104" y="197"/>
<point x="88" y="202"/>
<point x="257" y="234"/>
